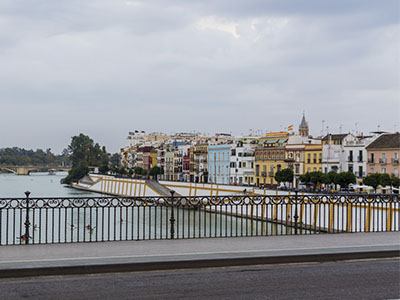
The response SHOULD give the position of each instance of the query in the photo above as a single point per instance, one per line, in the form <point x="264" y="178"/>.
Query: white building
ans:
<point x="355" y="154"/>
<point x="242" y="164"/>
<point x="135" y="138"/>
<point x="333" y="153"/>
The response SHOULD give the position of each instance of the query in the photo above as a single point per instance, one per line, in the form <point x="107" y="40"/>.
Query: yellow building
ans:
<point x="313" y="158"/>
<point x="270" y="157"/>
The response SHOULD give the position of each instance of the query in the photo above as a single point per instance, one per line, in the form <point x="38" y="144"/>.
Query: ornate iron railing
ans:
<point x="65" y="220"/>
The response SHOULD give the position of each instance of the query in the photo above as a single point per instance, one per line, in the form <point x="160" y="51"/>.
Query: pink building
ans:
<point x="383" y="154"/>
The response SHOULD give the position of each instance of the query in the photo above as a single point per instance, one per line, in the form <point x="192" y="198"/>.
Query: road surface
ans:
<point x="364" y="279"/>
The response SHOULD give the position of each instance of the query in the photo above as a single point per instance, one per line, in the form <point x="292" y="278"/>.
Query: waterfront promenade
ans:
<point x="87" y="258"/>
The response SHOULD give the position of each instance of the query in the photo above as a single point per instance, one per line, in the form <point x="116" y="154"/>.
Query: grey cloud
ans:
<point x="107" y="67"/>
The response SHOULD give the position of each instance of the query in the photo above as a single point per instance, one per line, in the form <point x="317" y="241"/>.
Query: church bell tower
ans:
<point x="303" y="129"/>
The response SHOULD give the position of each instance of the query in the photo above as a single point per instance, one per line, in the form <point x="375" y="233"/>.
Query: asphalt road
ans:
<point x="367" y="279"/>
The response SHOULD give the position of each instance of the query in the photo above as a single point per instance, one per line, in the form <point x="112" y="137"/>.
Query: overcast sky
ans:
<point x="105" y="68"/>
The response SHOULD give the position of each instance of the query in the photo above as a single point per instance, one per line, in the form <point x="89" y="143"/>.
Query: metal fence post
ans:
<point x="27" y="223"/>
<point x="172" y="219"/>
<point x="296" y="217"/>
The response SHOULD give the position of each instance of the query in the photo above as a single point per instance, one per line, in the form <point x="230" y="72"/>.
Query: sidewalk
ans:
<point x="83" y="258"/>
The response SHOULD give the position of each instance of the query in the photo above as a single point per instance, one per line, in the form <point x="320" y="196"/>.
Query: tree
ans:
<point x="305" y="178"/>
<point x="154" y="171"/>
<point x="348" y="177"/>
<point x="83" y="153"/>
<point x="372" y="180"/>
<point x="284" y="175"/>
<point x="138" y="170"/>
<point x="115" y="160"/>
<point x="80" y="148"/>
<point x="76" y="173"/>
<point x="279" y="177"/>
<point x="103" y="169"/>
<point x="385" y="180"/>
<point x="316" y="177"/>
<point x="395" y="181"/>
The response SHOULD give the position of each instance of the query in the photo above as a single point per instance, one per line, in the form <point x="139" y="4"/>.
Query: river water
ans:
<point x="79" y="219"/>
<point x="39" y="184"/>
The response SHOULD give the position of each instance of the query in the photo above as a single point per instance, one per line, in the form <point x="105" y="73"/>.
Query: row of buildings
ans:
<point x="254" y="160"/>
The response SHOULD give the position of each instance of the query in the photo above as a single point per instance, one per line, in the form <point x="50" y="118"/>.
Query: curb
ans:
<point x="193" y="264"/>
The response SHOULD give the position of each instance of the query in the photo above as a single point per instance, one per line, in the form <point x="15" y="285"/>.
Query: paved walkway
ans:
<point x="27" y="260"/>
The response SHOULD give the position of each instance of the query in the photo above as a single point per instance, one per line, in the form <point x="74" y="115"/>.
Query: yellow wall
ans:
<point x="153" y="159"/>
<point x="310" y="151"/>
<point x="270" y="152"/>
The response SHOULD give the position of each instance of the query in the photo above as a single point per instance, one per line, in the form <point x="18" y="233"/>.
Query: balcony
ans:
<point x="271" y="174"/>
<point x="360" y="158"/>
<point x="359" y="174"/>
<point x="395" y="161"/>
<point x="264" y="174"/>
<point x="371" y="161"/>
<point x="382" y="161"/>
<point x="350" y="158"/>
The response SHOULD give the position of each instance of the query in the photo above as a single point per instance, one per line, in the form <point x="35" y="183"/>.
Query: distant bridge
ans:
<point x="25" y="170"/>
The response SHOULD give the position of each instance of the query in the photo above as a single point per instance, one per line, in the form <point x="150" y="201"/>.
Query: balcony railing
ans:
<point x="371" y="160"/>
<point x="382" y="160"/>
<point x="395" y="161"/>
<point x="359" y="174"/>
<point x="94" y="219"/>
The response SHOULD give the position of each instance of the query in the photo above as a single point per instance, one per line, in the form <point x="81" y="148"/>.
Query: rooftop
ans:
<point x="386" y="141"/>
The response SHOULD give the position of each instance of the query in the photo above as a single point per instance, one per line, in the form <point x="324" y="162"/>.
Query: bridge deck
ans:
<point x="278" y="249"/>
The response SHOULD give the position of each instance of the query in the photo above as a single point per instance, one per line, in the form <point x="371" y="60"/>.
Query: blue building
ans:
<point x="219" y="157"/>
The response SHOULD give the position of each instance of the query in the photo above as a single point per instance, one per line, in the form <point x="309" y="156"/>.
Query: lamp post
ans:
<point x="27" y="223"/>
<point x="172" y="219"/>
<point x="296" y="217"/>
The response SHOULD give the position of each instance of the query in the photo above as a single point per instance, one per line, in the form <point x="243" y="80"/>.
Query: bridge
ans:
<point x="26" y="170"/>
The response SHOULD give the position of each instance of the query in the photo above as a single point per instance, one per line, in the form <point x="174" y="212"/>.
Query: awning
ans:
<point x="271" y="141"/>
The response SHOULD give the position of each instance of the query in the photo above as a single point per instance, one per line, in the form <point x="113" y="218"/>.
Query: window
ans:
<point x="308" y="158"/>
<point x="223" y="156"/>
<point x="320" y="158"/>
<point x="297" y="169"/>
<point x="308" y="169"/>
<point x="257" y="170"/>
<point x="372" y="170"/>
<point x="396" y="172"/>
<point x="315" y="158"/>
<point x="383" y="171"/>
<point x="243" y="164"/>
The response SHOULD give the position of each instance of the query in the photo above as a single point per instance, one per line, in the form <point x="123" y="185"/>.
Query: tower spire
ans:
<point x="303" y="128"/>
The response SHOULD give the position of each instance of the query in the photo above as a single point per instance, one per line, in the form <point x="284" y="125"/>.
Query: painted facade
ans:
<point x="242" y="164"/>
<point x="383" y="154"/>
<point x="219" y="158"/>
<point x="270" y="157"/>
